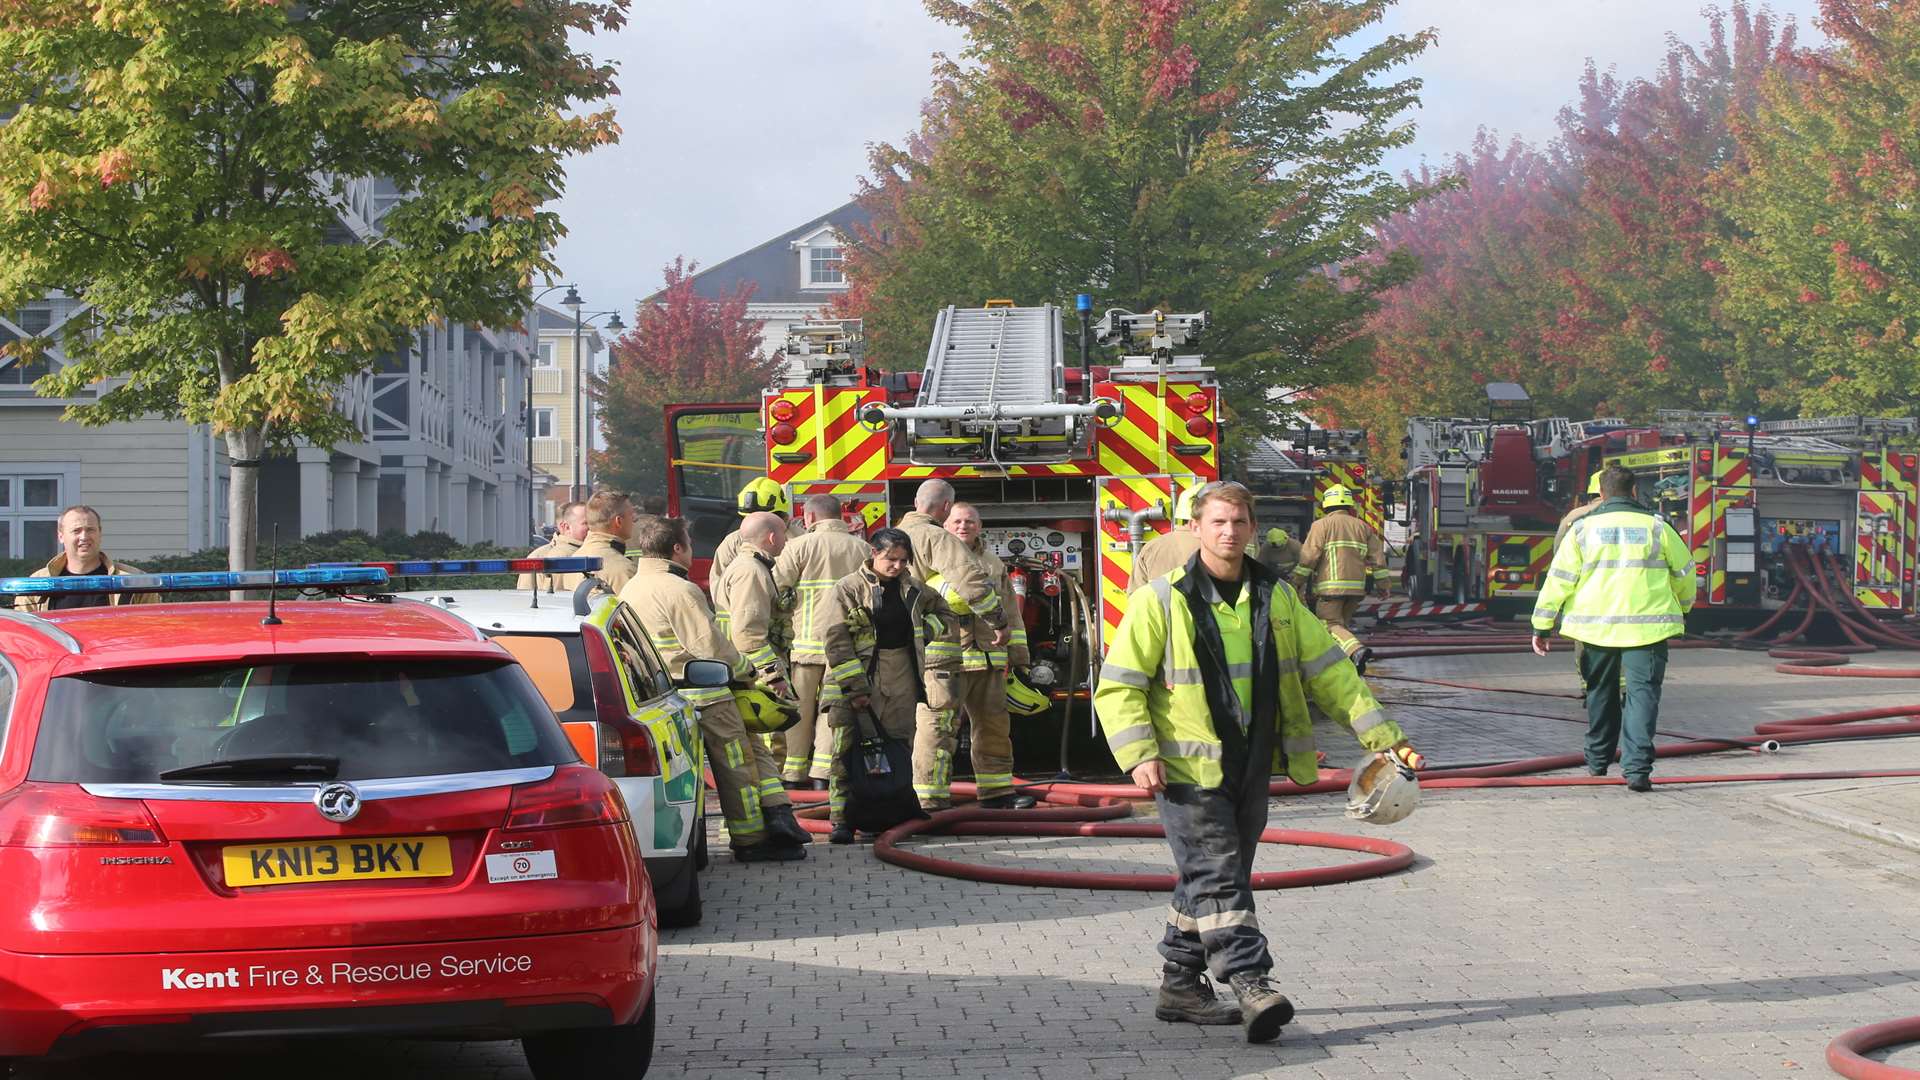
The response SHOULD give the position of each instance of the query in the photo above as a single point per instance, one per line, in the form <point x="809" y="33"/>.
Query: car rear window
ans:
<point x="379" y="718"/>
<point x="557" y="664"/>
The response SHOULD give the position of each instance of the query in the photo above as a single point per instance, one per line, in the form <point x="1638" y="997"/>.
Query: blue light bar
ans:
<point x="450" y="567"/>
<point x="209" y="581"/>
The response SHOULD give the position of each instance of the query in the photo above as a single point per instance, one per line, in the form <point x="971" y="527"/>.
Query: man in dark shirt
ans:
<point x="81" y="556"/>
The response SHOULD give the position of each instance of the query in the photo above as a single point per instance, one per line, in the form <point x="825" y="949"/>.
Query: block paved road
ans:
<point x="1691" y="932"/>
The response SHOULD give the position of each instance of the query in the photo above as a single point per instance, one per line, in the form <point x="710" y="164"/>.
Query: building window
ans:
<point x="544" y="357"/>
<point x="823" y="266"/>
<point x="543" y="423"/>
<point x="30" y="504"/>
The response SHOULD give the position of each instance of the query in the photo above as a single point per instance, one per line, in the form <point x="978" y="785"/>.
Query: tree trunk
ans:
<point x="243" y="497"/>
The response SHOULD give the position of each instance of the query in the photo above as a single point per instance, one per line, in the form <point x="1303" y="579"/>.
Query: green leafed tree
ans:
<point x="1182" y="154"/>
<point x="683" y="347"/>
<point x="1827" y="269"/>
<point x="182" y="165"/>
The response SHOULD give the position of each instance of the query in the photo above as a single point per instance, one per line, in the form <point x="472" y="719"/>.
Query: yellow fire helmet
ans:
<point x="764" y="713"/>
<point x="1593" y="483"/>
<point x="1024" y="700"/>
<point x="1336" y="497"/>
<point x="1183" y="506"/>
<point x="1276" y="536"/>
<point x="762" y="493"/>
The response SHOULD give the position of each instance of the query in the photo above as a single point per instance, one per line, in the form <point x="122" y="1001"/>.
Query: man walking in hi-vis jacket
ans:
<point x="1203" y="698"/>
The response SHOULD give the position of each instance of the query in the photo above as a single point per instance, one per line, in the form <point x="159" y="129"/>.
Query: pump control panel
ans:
<point x="1063" y="549"/>
<point x="1817" y="535"/>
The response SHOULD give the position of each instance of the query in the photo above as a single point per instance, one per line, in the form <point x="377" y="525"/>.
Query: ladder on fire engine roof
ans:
<point x="1006" y="356"/>
<point x="1843" y="426"/>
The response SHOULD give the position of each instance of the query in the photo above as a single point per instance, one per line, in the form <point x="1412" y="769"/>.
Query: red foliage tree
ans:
<point x="683" y="347"/>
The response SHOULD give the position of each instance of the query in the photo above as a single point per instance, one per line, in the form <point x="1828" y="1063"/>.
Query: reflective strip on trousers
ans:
<point x="1220" y="920"/>
<point x="1186" y="924"/>
<point x="771" y="786"/>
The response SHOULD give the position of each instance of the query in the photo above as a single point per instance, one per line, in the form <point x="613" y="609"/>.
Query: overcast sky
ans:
<point x="745" y="118"/>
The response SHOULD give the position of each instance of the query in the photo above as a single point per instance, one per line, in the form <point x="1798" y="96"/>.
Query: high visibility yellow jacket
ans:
<point x="947" y="568"/>
<point x="808" y="567"/>
<point x="1161" y="554"/>
<point x="616" y="568"/>
<point x="561" y="546"/>
<point x="753" y="620"/>
<point x="674" y="613"/>
<point x="723" y="554"/>
<point x="1156" y="699"/>
<point x="843" y="620"/>
<point x="107" y="567"/>
<point x="1343" y="556"/>
<point x="1622" y="578"/>
<point x="1014" y="653"/>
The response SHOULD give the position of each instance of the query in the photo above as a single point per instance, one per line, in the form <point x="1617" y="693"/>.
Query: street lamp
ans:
<point x="573" y="303"/>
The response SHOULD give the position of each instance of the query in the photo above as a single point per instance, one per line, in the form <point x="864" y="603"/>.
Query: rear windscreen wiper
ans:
<point x="265" y="767"/>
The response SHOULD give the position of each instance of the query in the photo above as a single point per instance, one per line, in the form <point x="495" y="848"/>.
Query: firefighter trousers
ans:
<point x="983" y="696"/>
<point x="1337" y="612"/>
<point x="1620" y="714"/>
<point x="1214" y="833"/>
<point x="744" y="771"/>
<point x="896" y="693"/>
<point x="808" y="745"/>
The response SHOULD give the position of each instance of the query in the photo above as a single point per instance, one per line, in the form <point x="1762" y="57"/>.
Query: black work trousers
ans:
<point x="1214" y="834"/>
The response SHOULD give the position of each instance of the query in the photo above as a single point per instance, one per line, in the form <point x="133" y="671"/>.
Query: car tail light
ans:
<point x="782" y="410"/>
<point x="626" y="747"/>
<point x="1199" y="427"/>
<point x="783" y="433"/>
<point x="1197" y="402"/>
<point x="574" y="795"/>
<point x="41" y="815"/>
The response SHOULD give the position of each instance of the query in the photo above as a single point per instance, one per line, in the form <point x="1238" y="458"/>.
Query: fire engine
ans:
<point x="1484" y="496"/>
<point x="1743" y="493"/>
<point x="1288" y="475"/>
<point x="1072" y="465"/>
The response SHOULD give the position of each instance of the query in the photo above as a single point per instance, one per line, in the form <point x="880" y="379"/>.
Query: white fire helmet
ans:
<point x="1382" y="792"/>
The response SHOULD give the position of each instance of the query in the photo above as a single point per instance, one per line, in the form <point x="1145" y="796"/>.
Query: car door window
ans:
<point x="636" y="654"/>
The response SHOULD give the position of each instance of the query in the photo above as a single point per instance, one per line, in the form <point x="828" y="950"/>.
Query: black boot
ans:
<point x="842" y="834"/>
<point x="772" y="849"/>
<point x="1360" y="660"/>
<point x="1639" y="783"/>
<point x="1009" y="801"/>
<point x="782" y="823"/>
<point x="1186" y="996"/>
<point x="1263" y="1009"/>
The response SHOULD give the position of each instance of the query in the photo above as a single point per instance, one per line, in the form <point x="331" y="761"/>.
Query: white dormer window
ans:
<point x="821" y="255"/>
<point x="823" y="266"/>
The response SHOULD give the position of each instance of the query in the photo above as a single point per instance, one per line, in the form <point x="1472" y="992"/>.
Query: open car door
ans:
<point x="712" y="451"/>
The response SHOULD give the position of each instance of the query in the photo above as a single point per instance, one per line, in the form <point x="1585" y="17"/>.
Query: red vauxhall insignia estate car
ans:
<point x="350" y="818"/>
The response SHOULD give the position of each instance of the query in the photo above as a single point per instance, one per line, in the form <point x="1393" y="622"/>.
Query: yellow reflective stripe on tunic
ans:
<point x="764" y="656"/>
<point x="706" y="695"/>
<point x="1675" y="619"/>
<point x="844" y="671"/>
<point x="1128" y="736"/>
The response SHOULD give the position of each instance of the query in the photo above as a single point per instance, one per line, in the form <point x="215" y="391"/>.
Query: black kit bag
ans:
<point x="879" y="771"/>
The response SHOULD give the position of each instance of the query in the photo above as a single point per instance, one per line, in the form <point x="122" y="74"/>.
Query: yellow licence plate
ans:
<point x="337" y="860"/>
